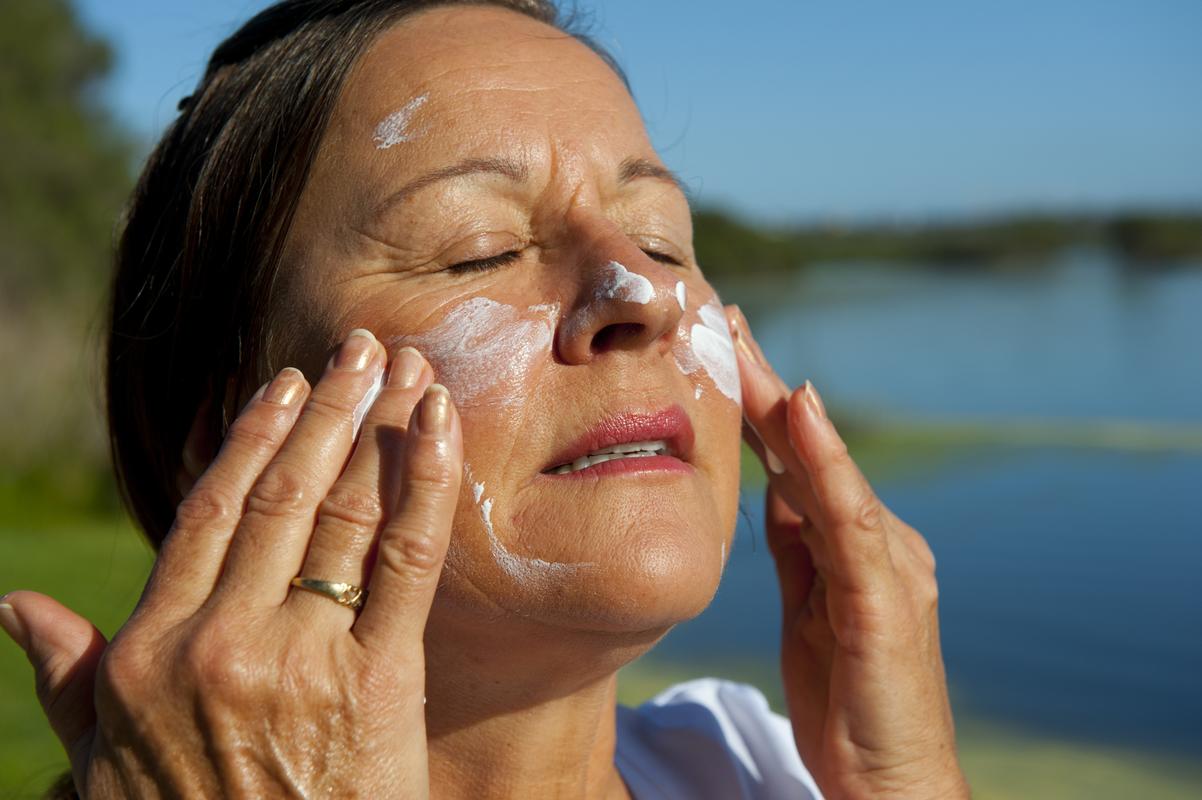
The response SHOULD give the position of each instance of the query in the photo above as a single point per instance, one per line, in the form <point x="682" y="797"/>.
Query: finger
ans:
<point x="794" y="563"/>
<point x="191" y="556"/>
<point x="852" y="517"/>
<point x="765" y="399"/>
<point x="414" y="541"/>
<point x="268" y="547"/>
<point x="349" y="518"/>
<point x="793" y="488"/>
<point x="64" y="649"/>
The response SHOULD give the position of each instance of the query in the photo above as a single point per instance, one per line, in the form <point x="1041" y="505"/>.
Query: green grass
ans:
<point x="97" y="568"/>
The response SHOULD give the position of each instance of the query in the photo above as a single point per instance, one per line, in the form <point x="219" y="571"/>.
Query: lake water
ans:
<point x="1070" y="577"/>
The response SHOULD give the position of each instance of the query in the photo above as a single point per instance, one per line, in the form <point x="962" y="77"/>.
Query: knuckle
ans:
<point x="208" y="658"/>
<point x="414" y="554"/>
<point x="331" y="407"/>
<point x="351" y="506"/>
<point x="919" y="547"/>
<point x="206" y="506"/>
<point x="254" y="434"/>
<point x="926" y="554"/>
<point x="840" y="460"/>
<point x="927" y="589"/>
<point x="280" y="491"/>
<point x="430" y="475"/>
<point x="868" y="512"/>
<point x="123" y="667"/>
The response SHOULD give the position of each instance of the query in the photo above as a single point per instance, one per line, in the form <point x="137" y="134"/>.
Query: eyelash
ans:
<point x="508" y="257"/>
<point x="485" y="264"/>
<point x="663" y="258"/>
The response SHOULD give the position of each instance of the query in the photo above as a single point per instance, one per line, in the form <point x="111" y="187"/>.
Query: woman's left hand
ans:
<point x="862" y="668"/>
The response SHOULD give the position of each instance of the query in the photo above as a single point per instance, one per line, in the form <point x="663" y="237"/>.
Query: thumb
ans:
<point x="64" y="649"/>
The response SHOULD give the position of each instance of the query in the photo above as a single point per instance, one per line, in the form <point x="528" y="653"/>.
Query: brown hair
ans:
<point x="205" y="229"/>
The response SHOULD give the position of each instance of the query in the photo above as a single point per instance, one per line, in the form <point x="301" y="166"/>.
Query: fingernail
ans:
<point x="814" y="402"/>
<point x="12" y="625"/>
<point x="258" y="394"/>
<point x="285" y="388"/>
<point x="356" y="352"/>
<point x="405" y="368"/>
<point x="436" y="409"/>
<point x="743" y="340"/>
<point x="775" y="465"/>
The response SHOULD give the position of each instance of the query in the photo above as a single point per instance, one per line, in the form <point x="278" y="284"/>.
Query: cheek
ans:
<point x="705" y="352"/>
<point x="485" y="352"/>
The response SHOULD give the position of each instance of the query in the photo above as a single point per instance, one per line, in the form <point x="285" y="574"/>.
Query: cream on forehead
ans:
<point x="710" y="347"/>
<point x="521" y="568"/>
<point x="394" y="128"/>
<point x="484" y="351"/>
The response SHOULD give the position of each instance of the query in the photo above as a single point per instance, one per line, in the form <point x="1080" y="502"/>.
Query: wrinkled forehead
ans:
<point x="477" y="81"/>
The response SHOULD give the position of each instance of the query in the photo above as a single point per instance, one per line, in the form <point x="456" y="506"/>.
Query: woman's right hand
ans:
<point x="226" y="681"/>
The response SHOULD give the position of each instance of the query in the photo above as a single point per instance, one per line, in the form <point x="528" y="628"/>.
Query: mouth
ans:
<point x="633" y="442"/>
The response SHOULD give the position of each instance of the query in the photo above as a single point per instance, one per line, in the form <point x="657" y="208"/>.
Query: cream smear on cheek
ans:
<point x="522" y="569"/>
<point x="710" y="348"/>
<point x="394" y="128"/>
<point x="485" y="351"/>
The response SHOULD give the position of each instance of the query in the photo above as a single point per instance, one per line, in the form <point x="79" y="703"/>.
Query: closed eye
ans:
<point x="663" y="258"/>
<point x="485" y="264"/>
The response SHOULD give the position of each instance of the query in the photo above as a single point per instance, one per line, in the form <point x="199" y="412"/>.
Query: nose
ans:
<point x="626" y="301"/>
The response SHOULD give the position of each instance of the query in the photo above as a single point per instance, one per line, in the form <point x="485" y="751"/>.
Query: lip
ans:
<point x="670" y="424"/>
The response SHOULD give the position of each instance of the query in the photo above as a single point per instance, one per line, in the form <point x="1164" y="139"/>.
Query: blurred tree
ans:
<point x="65" y="170"/>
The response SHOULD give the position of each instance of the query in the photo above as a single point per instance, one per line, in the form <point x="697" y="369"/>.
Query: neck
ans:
<point x="520" y="710"/>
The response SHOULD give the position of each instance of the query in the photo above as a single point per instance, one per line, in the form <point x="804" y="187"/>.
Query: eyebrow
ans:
<point x="631" y="169"/>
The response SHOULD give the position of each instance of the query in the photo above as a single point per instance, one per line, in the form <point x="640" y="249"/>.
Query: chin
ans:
<point x="666" y="580"/>
<point x="646" y="586"/>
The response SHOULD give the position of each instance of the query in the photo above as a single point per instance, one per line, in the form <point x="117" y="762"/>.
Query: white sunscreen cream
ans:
<point x="365" y="403"/>
<point x="709" y="347"/>
<point x="484" y="350"/>
<point x="520" y="568"/>
<point x="620" y="283"/>
<point x="394" y="128"/>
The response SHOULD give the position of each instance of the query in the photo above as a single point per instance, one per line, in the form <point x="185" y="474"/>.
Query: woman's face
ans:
<point x="486" y="193"/>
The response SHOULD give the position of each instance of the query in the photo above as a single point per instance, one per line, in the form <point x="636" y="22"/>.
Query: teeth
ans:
<point x="628" y="450"/>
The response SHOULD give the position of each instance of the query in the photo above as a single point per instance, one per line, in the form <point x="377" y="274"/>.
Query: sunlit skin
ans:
<point x="569" y="217"/>
<point x="500" y="87"/>
<point x="226" y="682"/>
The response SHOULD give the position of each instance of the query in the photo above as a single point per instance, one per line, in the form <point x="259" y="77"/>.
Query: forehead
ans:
<point x="473" y="81"/>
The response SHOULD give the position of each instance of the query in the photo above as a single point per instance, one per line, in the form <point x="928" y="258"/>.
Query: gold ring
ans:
<point x="344" y="594"/>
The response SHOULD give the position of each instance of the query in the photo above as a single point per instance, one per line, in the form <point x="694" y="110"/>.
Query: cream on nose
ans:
<point x="619" y="283"/>
<point x="621" y="306"/>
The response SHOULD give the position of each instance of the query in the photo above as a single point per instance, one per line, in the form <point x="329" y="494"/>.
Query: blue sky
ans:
<point x="848" y="109"/>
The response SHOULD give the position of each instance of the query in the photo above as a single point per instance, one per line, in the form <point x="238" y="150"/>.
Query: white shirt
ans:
<point x="710" y="738"/>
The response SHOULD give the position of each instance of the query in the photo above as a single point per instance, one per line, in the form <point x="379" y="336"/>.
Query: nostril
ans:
<point x="615" y="335"/>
